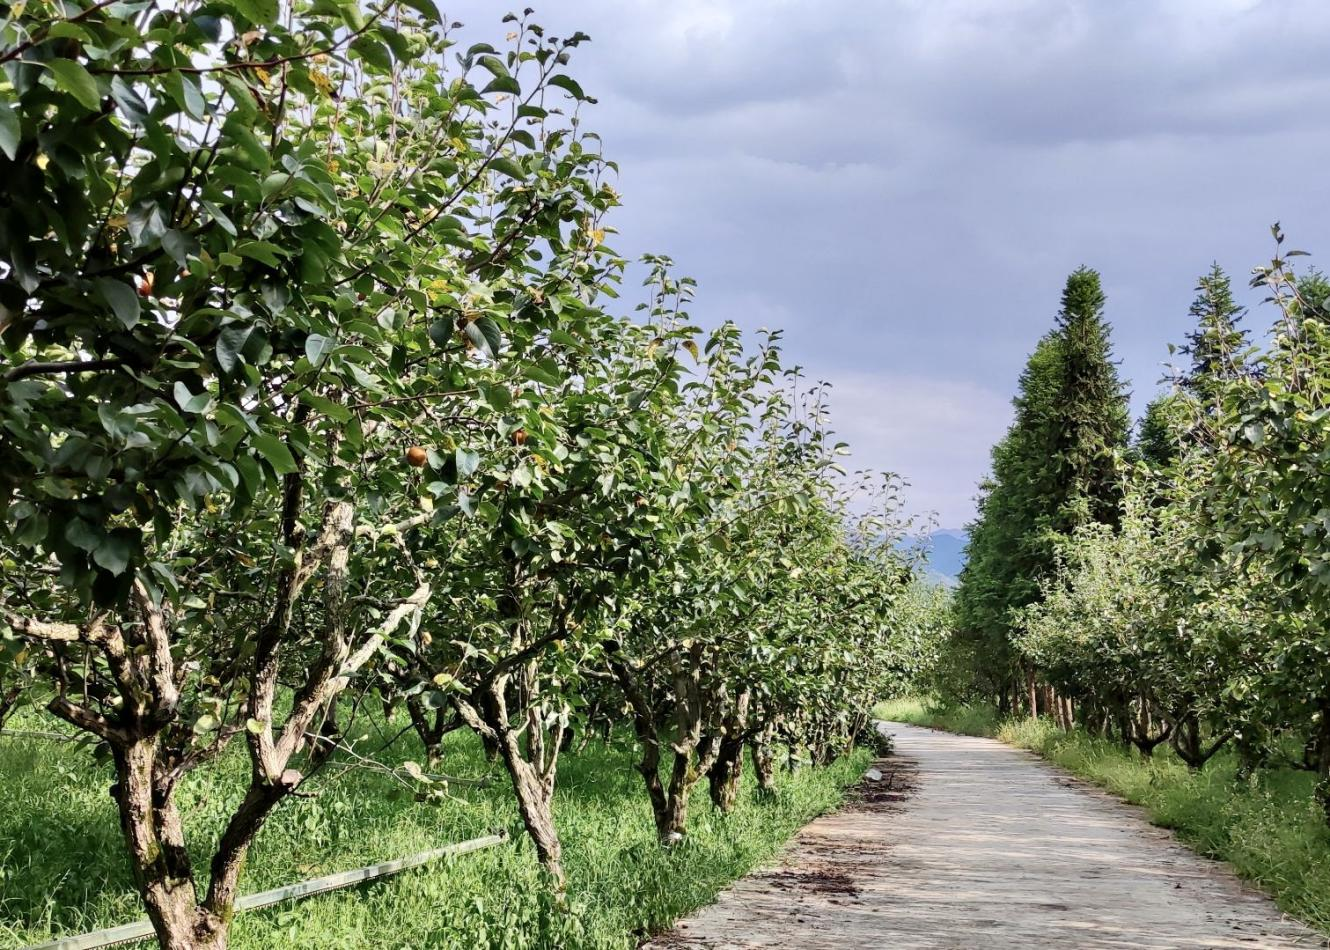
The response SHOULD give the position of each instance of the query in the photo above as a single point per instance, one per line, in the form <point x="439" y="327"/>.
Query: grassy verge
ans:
<point x="1269" y="829"/>
<point x="61" y="869"/>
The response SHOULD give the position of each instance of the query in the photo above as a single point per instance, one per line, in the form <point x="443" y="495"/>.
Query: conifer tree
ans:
<point x="1158" y="439"/>
<point x="1055" y="469"/>
<point x="1005" y="555"/>
<point x="1217" y="347"/>
<point x="1091" y="421"/>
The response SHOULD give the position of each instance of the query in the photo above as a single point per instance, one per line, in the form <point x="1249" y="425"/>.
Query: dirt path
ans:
<point x="992" y="849"/>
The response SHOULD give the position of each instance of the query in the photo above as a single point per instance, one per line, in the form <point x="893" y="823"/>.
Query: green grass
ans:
<point x="965" y="720"/>
<point x="62" y="869"/>
<point x="1269" y="829"/>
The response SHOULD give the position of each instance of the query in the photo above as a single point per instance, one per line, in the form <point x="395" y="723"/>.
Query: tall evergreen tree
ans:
<point x="1219" y="350"/>
<point x="1056" y="468"/>
<point x="1158" y="440"/>
<point x="1005" y="558"/>
<point x="1093" y="421"/>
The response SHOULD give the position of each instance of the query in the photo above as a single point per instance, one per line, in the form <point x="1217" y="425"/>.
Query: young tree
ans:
<point x="1266" y="505"/>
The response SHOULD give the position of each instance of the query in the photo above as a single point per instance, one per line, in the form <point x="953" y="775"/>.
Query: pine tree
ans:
<point x="1218" y="349"/>
<point x="1055" y="468"/>
<point x="1092" y="420"/>
<point x="1005" y="557"/>
<point x="1158" y="436"/>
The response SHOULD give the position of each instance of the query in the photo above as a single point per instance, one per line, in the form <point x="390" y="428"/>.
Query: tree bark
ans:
<point x="535" y="803"/>
<point x="727" y="770"/>
<point x="1188" y="744"/>
<point x="155" y="836"/>
<point x="764" y="761"/>
<point x="1321" y="741"/>
<point x="726" y="774"/>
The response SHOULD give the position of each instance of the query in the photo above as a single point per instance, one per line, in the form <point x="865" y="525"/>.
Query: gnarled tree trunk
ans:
<point x="764" y="760"/>
<point x="727" y="771"/>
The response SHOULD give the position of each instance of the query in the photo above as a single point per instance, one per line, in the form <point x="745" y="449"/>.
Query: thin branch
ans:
<point x="59" y="367"/>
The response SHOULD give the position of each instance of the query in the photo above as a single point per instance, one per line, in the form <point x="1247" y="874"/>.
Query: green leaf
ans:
<point x="258" y="12"/>
<point x="231" y="344"/>
<point x="317" y="348"/>
<point x="542" y="374"/>
<point x="122" y="298"/>
<point x="485" y="336"/>
<point x="373" y="52"/>
<point x="82" y="535"/>
<point x="186" y="93"/>
<point x="425" y="8"/>
<point x="130" y="102"/>
<point x="503" y="84"/>
<point x="260" y="251"/>
<point x="190" y="402"/>
<point x="467" y="462"/>
<point x="276" y="453"/>
<point x="250" y="474"/>
<point x="72" y="78"/>
<point x="11" y="131"/>
<point x="507" y="167"/>
<point x="177" y="245"/>
<point x="441" y="332"/>
<point x="568" y="84"/>
<point x="114" y="554"/>
<point x="333" y="410"/>
<point x="494" y="65"/>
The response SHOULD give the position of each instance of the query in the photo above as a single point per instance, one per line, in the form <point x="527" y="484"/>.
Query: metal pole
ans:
<point x="142" y="929"/>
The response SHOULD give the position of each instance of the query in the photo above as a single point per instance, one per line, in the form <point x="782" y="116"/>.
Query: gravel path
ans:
<point x="970" y="843"/>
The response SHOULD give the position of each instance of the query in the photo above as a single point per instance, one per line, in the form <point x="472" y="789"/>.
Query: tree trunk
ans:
<point x="166" y="885"/>
<point x="1322" y="745"/>
<point x="1141" y="736"/>
<point x="535" y="800"/>
<point x="9" y="702"/>
<point x="726" y="773"/>
<point x="764" y="763"/>
<point x="1032" y="690"/>
<point x="672" y="819"/>
<point x="155" y="835"/>
<point x="490" y="710"/>
<point x="1187" y="742"/>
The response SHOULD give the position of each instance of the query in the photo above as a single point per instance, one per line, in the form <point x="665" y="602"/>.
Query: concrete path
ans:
<point x="991" y="848"/>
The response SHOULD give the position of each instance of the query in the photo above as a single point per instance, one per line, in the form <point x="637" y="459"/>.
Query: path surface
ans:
<point x="993" y="848"/>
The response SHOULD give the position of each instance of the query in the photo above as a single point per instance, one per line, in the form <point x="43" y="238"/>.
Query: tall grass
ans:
<point x="62" y="870"/>
<point x="1269" y="828"/>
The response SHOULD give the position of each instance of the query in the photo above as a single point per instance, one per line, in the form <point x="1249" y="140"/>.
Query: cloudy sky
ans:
<point x="903" y="185"/>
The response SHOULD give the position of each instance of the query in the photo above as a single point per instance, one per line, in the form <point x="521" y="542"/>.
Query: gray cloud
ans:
<point x="903" y="186"/>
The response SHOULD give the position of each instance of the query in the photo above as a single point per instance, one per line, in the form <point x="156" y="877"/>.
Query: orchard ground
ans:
<point x="63" y="870"/>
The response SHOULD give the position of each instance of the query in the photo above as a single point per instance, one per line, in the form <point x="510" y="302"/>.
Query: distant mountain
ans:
<point x="944" y="554"/>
